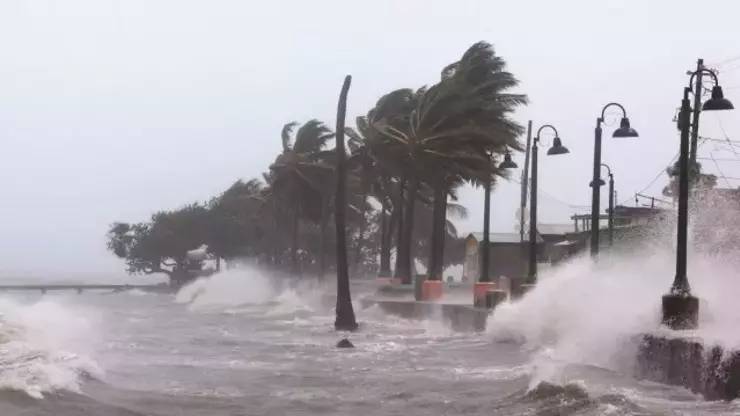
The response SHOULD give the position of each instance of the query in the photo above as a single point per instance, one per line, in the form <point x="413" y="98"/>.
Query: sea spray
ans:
<point x="228" y="288"/>
<point x="590" y="313"/>
<point x="584" y="312"/>
<point x="45" y="346"/>
<point x="249" y="285"/>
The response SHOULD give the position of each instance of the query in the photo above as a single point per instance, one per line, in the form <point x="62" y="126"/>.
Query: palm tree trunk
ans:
<point x="345" y="319"/>
<point x="398" y="209"/>
<point x="442" y="232"/>
<point x="323" y="237"/>
<point x="385" y="241"/>
<point x="408" y="231"/>
<point x="485" y="249"/>
<point x="438" y="231"/>
<point x="294" y="242"/>
<point x="363" y="226"/>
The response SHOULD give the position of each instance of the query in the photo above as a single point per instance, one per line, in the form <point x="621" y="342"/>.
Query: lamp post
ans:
<point x="611" y="200"/>
<point x="624" y="130"/>
<point x="611" y="204"/>
<point x="557" y="148"/>
<point x="680" y="308"/>
<point x="484" y="280"/>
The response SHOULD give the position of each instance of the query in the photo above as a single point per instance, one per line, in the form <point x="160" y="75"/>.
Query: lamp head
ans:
<point x="600" y="183"/>
<point x="557" y="147"/>
<point x="625" y="130"/>
<point x="507" y="163"/>
<point x="718" y="101"/>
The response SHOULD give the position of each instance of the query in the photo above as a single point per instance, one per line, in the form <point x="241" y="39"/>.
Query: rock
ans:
<point x="345" y="343"/>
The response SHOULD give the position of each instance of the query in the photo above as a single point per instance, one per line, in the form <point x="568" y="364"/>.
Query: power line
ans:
<point x="655" y="179"/>
<point x="719" y="159"/>
<point x="726" y="140"/>
<point x="726" y="61"/>
<point x="722" y="175"/>
<point x="548" y="195"/>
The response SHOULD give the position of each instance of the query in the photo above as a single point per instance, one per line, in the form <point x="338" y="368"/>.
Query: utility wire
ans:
<point x="541" y="192"/>
<point x="655" y="179"/>
<point x="726" y="140"/>
<point x="726" y="61"/>
<point x="722" y="174"/>
<point x="719" y="159"/>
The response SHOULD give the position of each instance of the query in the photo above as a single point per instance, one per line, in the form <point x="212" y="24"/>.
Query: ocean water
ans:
<point x="245" y="343"/>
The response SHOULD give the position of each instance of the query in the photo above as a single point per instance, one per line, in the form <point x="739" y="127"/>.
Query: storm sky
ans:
<point x="112" y="109"/>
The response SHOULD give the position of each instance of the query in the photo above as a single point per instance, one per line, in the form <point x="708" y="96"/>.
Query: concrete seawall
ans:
<point x="459" y="317"/>
<point x="709" y="370"/>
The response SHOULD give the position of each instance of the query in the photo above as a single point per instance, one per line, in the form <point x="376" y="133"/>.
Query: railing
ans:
<point x="43" y="288"/>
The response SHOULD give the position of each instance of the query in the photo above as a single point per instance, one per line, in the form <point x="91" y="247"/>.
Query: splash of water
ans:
<point x="45" y="347"/>
<point x="591" y="313"/>
<point x="233" y="287"/>
<point x="237" y="289"/>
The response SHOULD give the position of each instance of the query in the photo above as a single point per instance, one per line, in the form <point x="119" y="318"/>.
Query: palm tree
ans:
<point x="445" y="133"/>
<point x="300" y="177"/>
<point x="345" y="319"/>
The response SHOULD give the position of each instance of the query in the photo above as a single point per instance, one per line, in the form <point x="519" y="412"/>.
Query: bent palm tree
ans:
<point x="345" y="319"/>
<point x="300" y="175"/>
<point x="451" y="129"/>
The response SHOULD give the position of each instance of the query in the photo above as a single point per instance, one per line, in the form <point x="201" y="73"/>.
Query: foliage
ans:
<point x="414" y="145"/>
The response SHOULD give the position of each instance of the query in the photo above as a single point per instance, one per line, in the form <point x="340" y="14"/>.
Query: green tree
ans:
<point x="446" y="134"/>
<point x="161" y="246"/>
<point x="300" y="179"/>
<point x="237" y="227"/>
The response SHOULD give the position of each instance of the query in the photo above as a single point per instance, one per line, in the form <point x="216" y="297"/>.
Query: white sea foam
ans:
<point x="590" y="313"/>
<point x="45" y="346"/>
<point x="228" y="288"/>
<point x="237" y="290"/>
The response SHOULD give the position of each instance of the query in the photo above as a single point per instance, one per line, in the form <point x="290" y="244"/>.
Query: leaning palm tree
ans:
<point x="345" y="315"/>
<point x="452" y="128"/>
<point x="300" y="178"/>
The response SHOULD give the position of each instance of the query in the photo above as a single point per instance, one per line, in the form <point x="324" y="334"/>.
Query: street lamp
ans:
<point x="611" y="204"/>
<point x="680" y="308"/>
<point x="557" y="148"/>
<point x="624" y="130"/>
<point x="484" y="280"/>
<point x="611" y="200"/>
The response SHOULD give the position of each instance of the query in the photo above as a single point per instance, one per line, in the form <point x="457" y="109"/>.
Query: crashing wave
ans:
<point x="40" y="348"/>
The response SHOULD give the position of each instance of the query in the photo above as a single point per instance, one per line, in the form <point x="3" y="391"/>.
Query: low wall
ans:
<point x="709" y="370"/>
<point x="461" y="318"/>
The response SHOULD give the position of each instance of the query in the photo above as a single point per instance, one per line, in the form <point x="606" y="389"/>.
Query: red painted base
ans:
<point x="479" y="292"/>
<point x="383" y="281"/>
<point x="431" y="290"/>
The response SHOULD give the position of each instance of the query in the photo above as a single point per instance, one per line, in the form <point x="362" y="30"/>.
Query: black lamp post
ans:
<point x="611" y="204"/>
<point x="680" y="308"/>
<point x="611" y="201"/>
<point x="508" y="163"/>
<point x="557" y="148"/>
<point x="624" y="130"/>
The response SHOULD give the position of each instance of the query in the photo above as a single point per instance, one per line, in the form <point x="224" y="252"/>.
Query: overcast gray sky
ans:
<point x="111" y="109"/>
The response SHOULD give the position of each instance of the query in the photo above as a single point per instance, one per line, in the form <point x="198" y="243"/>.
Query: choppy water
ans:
<point x="237" y="345"/>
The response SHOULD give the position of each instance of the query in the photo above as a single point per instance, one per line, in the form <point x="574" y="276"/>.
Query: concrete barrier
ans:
<point x="458" y="317"/>
<point x="686" y="361"/>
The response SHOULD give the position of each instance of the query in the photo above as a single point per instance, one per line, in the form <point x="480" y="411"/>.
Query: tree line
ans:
<point x="406" y="159"/>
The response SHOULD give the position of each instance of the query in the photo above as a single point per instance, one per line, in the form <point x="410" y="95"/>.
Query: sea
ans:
<point x="244" y="342"/>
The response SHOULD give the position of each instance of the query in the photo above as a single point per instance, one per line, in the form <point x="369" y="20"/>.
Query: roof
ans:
<point x="555" y="229"/>
<point x="503" y="237"/>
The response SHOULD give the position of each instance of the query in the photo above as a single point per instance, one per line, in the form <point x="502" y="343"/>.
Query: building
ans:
<point x="509" y="255"/>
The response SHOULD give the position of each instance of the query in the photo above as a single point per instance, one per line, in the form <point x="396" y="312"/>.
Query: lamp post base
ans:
<point x="479" y="292"/>
<point x="431" y="290"/>
<point x="680" y="311"/>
